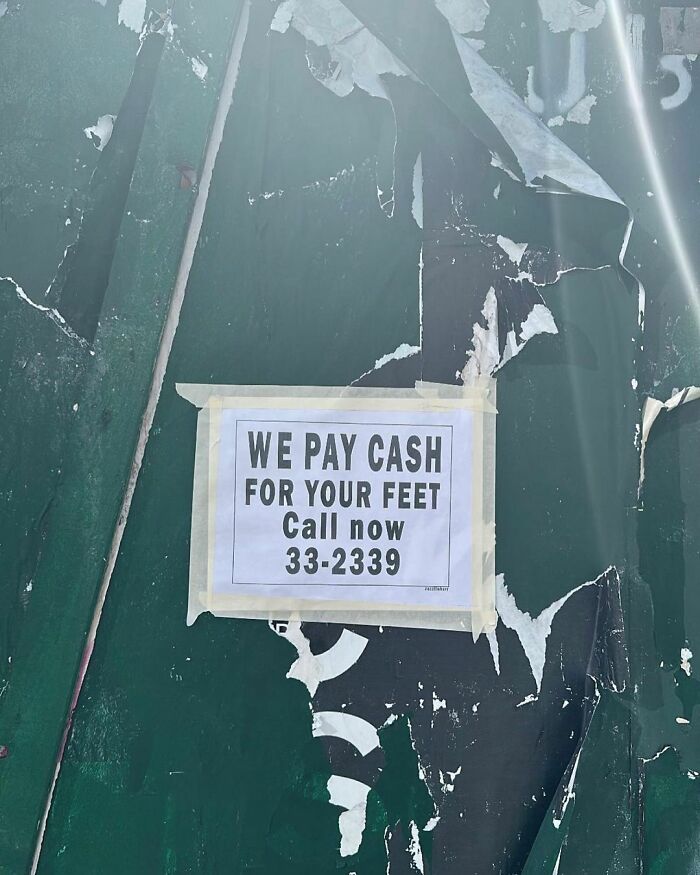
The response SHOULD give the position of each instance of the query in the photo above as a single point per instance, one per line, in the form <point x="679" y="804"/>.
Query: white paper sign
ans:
<point x="368" y="505"/>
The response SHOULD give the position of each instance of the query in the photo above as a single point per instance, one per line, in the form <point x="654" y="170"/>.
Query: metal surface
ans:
<point x="566" y="742"/>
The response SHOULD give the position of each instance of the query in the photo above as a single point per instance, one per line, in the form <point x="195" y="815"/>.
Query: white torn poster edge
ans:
<point x="533" y="632"/>
<point x="402" y="351"/>
<point x="652" y="408"/>
<point x="339" y="724"/>
<point x="351" y="795"/>
<point x="312" y="669"/>
<point x="480" y="397"/>
<point x="485" y="357"/>
<point x="539" y="152"/>
<point x="360" y="59"/>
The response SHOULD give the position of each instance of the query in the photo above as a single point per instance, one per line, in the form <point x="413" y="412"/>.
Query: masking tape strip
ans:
<point x="199" y="537"/>
<point x="479" y="397"/>
<point x="425" y="396"/>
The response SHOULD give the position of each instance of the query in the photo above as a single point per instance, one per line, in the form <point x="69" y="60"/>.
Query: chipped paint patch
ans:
<point x="465" y="16"/>
<point x="101" y="132"/>
<point x="199" y="68"/>
<point x="447" y="780"/>
<point x="438" y="703"/>
<point x="562" y="15"/>
<point x="415" y="849"/>
<point x="132" y="14"/>
<point x="580" y="114"/>
<point x="514" y="251"/>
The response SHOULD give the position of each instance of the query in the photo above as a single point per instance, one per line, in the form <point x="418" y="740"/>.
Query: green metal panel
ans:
<point x="191" y="751"/>
<point x="78" y="434"/>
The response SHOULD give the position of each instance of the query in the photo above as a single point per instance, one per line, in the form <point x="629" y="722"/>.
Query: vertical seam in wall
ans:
<point x="159" y="369"/>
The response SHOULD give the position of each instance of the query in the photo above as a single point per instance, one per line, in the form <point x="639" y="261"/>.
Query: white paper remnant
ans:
<point x="465" y="16"/>
<point x="101" y="131"/>
<point x="132" y="14"/>
<point x="562" y="15"/>
<point x="352" y="796"/>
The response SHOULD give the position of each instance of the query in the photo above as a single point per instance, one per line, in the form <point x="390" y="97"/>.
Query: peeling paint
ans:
<point x="499" y="344"/>
<point x="358" y="58"/>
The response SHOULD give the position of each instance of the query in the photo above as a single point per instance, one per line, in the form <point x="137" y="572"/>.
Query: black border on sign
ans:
<point x="356" y="583"/>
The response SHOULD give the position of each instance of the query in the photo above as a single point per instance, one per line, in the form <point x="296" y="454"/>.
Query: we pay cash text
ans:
<point x="342" y="452"/>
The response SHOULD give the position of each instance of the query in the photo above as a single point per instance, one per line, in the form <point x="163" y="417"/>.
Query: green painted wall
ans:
<point x="190" y="750"/>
